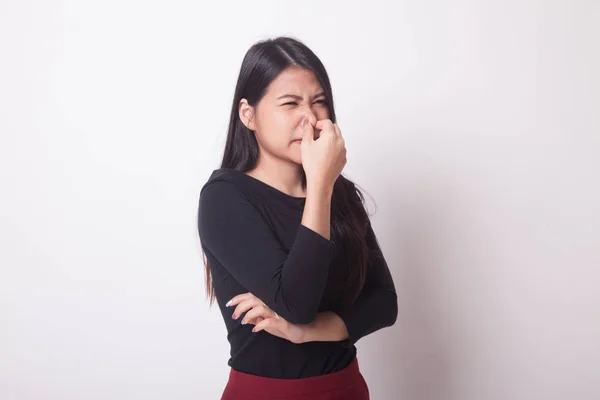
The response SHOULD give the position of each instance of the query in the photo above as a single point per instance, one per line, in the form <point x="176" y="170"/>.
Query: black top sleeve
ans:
<point x="233" y="230"/>
<point x="377" y="305"/>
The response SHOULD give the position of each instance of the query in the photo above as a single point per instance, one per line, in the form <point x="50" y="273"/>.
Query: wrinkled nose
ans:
<point x="310" y="115"/>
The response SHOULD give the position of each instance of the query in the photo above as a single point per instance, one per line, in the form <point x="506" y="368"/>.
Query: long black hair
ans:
<point x="263" y="62"/>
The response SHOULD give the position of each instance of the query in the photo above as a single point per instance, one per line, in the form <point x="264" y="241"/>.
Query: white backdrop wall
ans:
<point x="473" y="125"/>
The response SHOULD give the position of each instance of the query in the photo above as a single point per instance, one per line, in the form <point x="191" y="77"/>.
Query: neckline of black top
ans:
<point x="264" y="186"/>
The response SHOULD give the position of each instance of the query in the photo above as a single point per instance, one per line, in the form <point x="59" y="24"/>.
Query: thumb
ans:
<point x="308" y="132"/>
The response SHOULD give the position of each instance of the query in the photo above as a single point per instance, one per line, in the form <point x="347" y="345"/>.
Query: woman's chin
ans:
<point x="296" y="159"/>
<point x="296" y="156"/>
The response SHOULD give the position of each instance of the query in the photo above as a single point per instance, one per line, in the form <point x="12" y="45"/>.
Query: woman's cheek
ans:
<point x="322" y="112"/>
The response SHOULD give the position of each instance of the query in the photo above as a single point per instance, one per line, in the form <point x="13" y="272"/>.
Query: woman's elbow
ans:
<point x="392" y="309"/>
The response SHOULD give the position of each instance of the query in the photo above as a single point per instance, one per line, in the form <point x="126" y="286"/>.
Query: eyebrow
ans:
<point x="295" y="96"/>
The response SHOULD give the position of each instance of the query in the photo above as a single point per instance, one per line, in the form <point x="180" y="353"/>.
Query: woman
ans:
<point x="291" y="257"/>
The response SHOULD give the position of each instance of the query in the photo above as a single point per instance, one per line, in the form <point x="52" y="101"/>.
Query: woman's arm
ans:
<point x="327" y="327"/>
<point x="375" y="308"/>
<point x="317" y="209"/>
<point x="233" y="230"/>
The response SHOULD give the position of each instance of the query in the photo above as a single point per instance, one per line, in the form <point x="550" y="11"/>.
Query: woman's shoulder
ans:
<point x="224" y="183"/>
<point x="223" y="175"/>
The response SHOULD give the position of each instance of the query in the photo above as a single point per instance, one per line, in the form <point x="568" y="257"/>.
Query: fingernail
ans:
<point x="233" y="316"/>
<point x="228" y="303"/>
<point x="304" y="122"/>
<point x="244" y="322"/>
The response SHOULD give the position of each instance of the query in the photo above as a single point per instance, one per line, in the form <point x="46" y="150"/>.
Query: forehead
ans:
<point x="298" y="81"/>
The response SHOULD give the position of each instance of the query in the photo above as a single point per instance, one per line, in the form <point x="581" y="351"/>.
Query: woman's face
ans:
<point x="294" y="95"/>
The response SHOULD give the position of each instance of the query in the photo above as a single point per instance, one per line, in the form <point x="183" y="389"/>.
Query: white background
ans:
<point x="474" y="126"/>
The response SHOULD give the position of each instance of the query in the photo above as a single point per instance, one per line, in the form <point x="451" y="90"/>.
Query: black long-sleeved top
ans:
<point x="253" y="239"/>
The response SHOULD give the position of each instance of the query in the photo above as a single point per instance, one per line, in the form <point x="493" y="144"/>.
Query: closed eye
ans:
<point x="293" y="103"/>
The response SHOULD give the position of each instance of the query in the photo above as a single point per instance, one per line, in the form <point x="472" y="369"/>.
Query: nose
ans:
<point x="310" y="115"/>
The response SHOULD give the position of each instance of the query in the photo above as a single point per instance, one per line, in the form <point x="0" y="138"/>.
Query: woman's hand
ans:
<point x="322" y="159"/>
<point x="260" y="315"/>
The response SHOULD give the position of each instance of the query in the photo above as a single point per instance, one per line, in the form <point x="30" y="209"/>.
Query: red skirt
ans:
<point x="347" y="384"/>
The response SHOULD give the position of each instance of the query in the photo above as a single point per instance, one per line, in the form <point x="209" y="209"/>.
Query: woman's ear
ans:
<point x="246" y="112"/>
